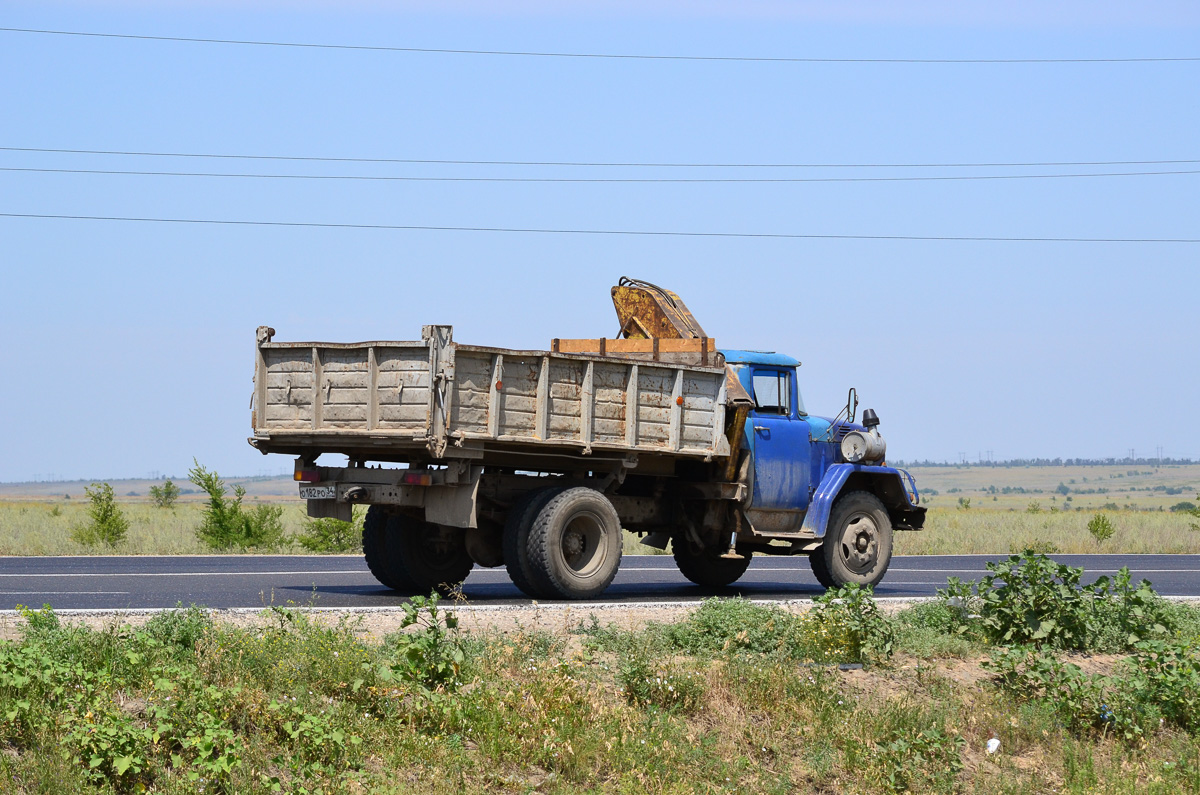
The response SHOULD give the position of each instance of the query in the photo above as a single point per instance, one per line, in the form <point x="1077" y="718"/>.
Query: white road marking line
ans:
<point x="188" y="573"/>
<point x="360" y="572"/>
<point x="58" y="593"/>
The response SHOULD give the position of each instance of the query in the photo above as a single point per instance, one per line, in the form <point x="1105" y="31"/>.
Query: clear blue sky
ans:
<point x="129" y="346"/>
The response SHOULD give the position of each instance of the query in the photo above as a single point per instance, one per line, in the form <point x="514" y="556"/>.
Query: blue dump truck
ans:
<point x="536" y="460"/>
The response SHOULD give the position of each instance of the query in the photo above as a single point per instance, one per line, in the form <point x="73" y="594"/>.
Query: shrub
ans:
<point x="1101" y="528"/>
<point x="164" y="496"/>
<point x="1030" y="599"/>
<point x="106" y="522"/>
<point x="1159" y="685"/>
<point x="1184" y="507"/>
<point x="1043" y="547"/>
<point x="227" y="524"/>
<point x="333" y="535"/>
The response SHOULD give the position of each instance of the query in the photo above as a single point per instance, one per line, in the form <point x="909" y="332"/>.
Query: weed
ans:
<point x="227" y="524"/>
<point x="427" y="650"/>
<point x="936" y="629"/>
<point x="106" y="522"/>
<point x="181" y="628"/>
<point x="732" y="625"/>
<point x="1029" y="598"/>
<point x="845" y="624"/>
<point x="647" y="681"/>
<point x="928" y="759"/>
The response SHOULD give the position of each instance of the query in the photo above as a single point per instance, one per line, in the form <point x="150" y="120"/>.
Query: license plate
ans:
<point x="318" y="492"/>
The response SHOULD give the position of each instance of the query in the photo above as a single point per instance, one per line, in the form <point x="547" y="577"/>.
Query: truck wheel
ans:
<point x="415" y="557"/>
<point x="708" y="568"/>
<point x="816" y="560"/>
<point x="574" y="544"/>
<point x="380" y="534"/>
<point x="858" y="540"/>
<point x="516" y="537"/>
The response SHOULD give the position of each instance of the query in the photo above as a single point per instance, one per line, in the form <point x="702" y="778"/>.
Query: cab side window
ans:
<point x="772" y="392"/>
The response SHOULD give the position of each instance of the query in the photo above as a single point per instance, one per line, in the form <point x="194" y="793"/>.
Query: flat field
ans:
<point x="973" y="510"/>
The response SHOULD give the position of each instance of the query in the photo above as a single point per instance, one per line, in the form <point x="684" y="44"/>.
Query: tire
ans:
<point x="412" y="556"/>
<point x="574" y="545"/>
<point x="516" y="537"/>
<point x="816" y="560"/>
<point x="708" y="568"/>
<point x="858" y="541"/>
<point x="380" y="533"/>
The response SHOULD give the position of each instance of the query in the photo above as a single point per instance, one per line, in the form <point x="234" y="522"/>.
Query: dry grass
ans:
<point x="995" y="523"/>
<point x="42" y="528"/>
<point x="951" y="531"/>
<point x="1089" y="488"/>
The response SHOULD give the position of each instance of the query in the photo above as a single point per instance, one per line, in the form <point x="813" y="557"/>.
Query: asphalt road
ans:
<point x="128" y="583"/>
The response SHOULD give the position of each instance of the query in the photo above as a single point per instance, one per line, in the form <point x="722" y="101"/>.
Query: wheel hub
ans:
<point x="572" y="545"/>
<point x="581" y="543"/>
<point x="860" y="544"/>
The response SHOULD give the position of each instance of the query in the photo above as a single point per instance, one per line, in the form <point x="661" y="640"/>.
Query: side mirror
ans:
<point x="851" y="404"/>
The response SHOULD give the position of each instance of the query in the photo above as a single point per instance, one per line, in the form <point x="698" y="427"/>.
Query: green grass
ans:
<point x="728" y="700"/>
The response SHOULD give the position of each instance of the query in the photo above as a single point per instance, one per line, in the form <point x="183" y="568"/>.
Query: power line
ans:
<point x="631" y="232"/>
<point x="1044" y="164"/>
<point x="617" y="56"/>
<point x="387" y="178"/>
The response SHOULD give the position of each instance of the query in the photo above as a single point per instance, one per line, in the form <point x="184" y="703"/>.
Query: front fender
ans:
<point x="886" y="483"/>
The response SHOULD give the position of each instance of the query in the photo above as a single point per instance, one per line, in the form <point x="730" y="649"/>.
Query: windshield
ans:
<point x="799" y="396"/>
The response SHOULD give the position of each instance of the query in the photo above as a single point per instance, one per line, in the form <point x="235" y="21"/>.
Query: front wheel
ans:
<point x="858" y="542"/>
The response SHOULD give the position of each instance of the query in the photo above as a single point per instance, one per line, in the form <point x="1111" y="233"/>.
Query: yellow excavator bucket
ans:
<point x="647" y="311"/>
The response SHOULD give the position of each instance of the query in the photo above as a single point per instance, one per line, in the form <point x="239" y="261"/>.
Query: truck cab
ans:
<point x="821" y="482"/>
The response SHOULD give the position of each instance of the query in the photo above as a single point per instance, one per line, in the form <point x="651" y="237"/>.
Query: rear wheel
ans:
<point x="858" y="540"/>
<point x="381" y="532"/>
<point x="412" y="556"/>
<point x="574" y="544"/>
<point x="708" y="568"/>
<point x="516" y="537"/>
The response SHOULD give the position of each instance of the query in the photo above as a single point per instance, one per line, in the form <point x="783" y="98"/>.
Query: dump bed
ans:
<point x="434" y="399"/>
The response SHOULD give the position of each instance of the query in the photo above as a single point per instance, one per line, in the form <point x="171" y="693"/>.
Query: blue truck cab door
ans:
<point x="778" y="437"/>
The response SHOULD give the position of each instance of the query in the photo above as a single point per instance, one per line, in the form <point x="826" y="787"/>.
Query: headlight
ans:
<point x="858" y="446"/>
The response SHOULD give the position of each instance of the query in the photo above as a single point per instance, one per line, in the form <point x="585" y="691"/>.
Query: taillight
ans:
<point x="302" y="475"/>
<point x="416" y="479"/>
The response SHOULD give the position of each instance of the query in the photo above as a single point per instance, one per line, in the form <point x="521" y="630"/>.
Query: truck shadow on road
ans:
<point x="508" y="594"/>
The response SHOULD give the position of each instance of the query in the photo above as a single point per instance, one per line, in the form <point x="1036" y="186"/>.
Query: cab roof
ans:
<point x="759" y="357"/>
